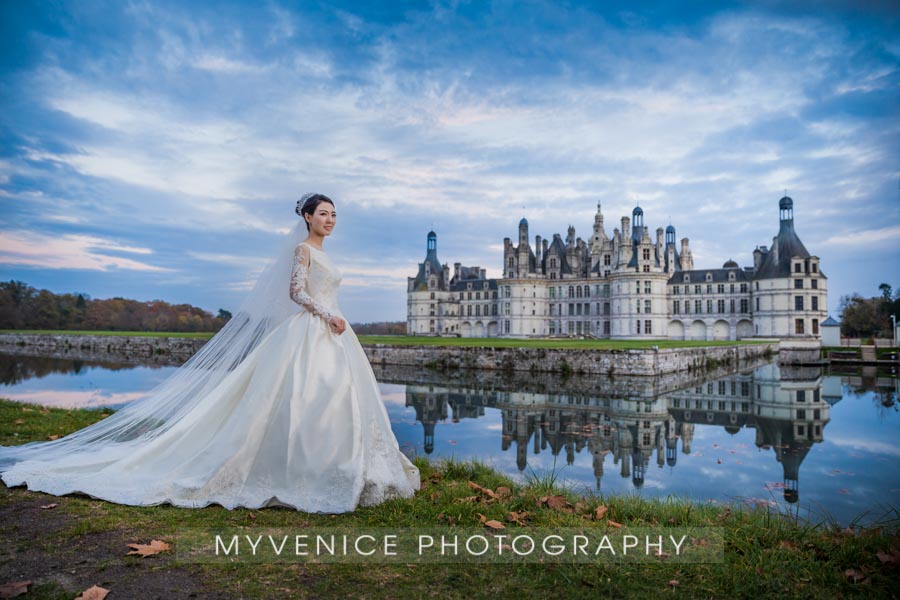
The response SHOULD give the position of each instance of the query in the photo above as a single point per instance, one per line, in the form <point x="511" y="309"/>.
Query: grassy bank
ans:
<point x="410" y="340"/>
<point x="182" y="334"/>
<point x="81" y="542"/>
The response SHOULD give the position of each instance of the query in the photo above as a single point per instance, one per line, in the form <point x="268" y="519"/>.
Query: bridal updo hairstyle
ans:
<point x="308" y="204"/>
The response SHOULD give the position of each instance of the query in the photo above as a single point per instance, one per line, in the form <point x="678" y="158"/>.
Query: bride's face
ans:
<point x="323" y="219"/>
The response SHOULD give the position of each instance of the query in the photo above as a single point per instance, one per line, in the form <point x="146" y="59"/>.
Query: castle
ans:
<point x="628" y="286"/>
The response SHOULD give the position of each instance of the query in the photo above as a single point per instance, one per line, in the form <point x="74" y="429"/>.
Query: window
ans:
<point x="637" y="285"/>
<point x="578" y="309"/>
<point x="647" y="305"/>
<point x="606" y="260"/>
<point x="743" y="288"/>
<point x="578" y="292"/>
<point x="815" y="326"/>
<point x="552" y="293"/>
<point x="571" y="292"/>
<point x="647" y="327"/>
<point x="648" y="287"/>
<point x="432" y="295"/>
<point x="638" y="325"/>
<point x="709" y="306"/>
<point x="469" y="310"/>
<point x="722" y="306"/>
<point x="646" y="268"/>
<point x="676" y="307"/>
<point x="469" y="294"/>
<point x="587" y="291"/>
<point x="798" y="267"/>
<point x="709" y="277"/>
<point x="478" y="295"/>
<point x="709" y="288"/>
<point x="798" y="302"/>
<point x="798" y="284"/>
<point x="801" y="395"/>
<point x="646" y="253"/>
<point x="815" y="284"/>
<point x="731" y="288"/>
<point x="698" y="306"/>
<point x="815" y="302"/>
<point x="801" y="413"/>
<point x="798" y="327"/>
<point x="606" y="290"/>
<point x="606" y="308"/>
<point x="638" y="306"/>
<point x="687" y="307"/>
<point x="687" y="278"/>
<point x="571" y="309"/>
<point x="552" y="263"/>
<point x="674" y="290"/>
<point x="732" y="305"/>
<point x="697" y="289"/>
<point x="720" y="288"/>
<point x="757" y="305"/>
<point x="606" y="327"/>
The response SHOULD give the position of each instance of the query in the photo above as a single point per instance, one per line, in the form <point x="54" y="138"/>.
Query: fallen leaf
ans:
<point x="503" y="491"/>
<point x="613" y="524"/>
<point x="18" y="421"/>
<point x="490" y="523"/>
<point x="854" y="575"/>
<point x="673" y="582"/>
<point x="54" y="505"/>
<point x="25" y="409"/>
<point x="53" y="437"/>
<point x="251" y="516"/>
<point x="787" y="545"/>
<point x="93" y="593"/>
<point x="14" y="588"/>
<point x="600" y="512"/>
<point x="893" y="558"/>
<point x="154" y="547"/>
<point x="557" y="502"/>
<point x="483" y="490"/>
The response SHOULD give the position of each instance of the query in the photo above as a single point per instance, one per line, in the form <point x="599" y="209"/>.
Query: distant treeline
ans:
<point x="24" y="307"/>
<point x="870" y="317"/>
<point x="385" y="328"/>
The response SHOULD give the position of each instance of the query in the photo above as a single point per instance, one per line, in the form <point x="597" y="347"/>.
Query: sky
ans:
<point x="156" y="150"/>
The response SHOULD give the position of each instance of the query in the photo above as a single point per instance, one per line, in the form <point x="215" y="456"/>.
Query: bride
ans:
<point x="279" y="408"/>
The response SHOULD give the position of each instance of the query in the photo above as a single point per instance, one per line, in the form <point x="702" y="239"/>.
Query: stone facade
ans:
<point x="624" y="286"/>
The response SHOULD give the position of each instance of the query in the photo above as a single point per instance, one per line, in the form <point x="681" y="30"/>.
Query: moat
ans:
<point x="800" y="440"/>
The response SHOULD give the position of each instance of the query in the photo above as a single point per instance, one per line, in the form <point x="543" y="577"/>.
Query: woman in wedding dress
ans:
<point x="280" y="408"/>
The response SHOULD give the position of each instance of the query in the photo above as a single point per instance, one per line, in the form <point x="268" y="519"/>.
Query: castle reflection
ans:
<point x="627" y="425"/>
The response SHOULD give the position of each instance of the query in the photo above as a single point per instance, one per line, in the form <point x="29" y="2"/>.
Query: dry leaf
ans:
<point x="503" y="491"/>
<point x="673" y="582"/>
<point x="25" y="409"/>
<point x="18" y="421"/>
<point x="557" y="503"/>
<point x="251" y="516"/>
<point x="492" y="523"/>
<point x="54" y="505"/>
<point x="483" y="490"/>
<point x="53" y="437"/>
<point x="600" y="512"/>
<point x="787" y="545"/>
<point x="856" y="576"/>
<point x="893" y="558"/>
<point x="93" y="593"/>
<point x="613" y="524"/>
<point x="14" y="588"/>
<point x="154" y="547"/>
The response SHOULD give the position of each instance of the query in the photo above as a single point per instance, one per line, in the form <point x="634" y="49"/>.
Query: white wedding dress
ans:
<point x="298" y="423"/>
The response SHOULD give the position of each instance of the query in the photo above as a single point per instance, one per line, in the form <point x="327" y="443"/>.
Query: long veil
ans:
<point x="266" y="306"/>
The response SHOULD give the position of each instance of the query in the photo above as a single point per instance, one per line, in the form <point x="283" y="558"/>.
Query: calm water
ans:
<point x="799" y="440"/>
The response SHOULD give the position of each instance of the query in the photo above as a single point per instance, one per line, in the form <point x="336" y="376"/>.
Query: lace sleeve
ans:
<point x="298" y="283"/>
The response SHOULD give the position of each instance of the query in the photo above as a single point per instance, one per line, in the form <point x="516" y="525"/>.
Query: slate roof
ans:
<point x="777" y="261"/>
<point x="718" y="276"/>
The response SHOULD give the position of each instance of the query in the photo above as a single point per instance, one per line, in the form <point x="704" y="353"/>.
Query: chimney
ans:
<point x="537" y="249"/>
<point x="456" y="267"/>
<point x="483" y="273"/>
<point x="625" y="225"/>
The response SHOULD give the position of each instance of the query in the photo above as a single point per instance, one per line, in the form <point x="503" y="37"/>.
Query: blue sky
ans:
<point x="157" y="149"/>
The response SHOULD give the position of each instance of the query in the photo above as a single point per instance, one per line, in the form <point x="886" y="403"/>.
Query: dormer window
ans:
<point x="468" y="286"/>
<point x="709" y="276"/>
<point x="485" y="285"/>
<point x="687" y="278"/>
<point x="798" y="267"/>
<point x="731" y="277"/>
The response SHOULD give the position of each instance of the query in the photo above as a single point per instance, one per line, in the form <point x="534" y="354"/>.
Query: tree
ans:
<point x="885" y="290"/>
<point x="223" y="314"/>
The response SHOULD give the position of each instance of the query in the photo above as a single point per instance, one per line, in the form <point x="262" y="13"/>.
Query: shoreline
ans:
<point x="628" y="361"/>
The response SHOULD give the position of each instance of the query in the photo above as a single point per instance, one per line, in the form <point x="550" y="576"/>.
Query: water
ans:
<point x="802" y="441"/>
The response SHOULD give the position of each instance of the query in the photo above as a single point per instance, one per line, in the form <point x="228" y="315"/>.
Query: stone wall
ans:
<point x="648" y="362"/>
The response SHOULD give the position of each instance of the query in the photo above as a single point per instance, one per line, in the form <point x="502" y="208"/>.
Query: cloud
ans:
<point x="71" y="251"/>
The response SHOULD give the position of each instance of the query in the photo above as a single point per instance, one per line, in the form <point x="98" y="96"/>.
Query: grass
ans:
<point x="766" y="553"/>
<point x="408" y="340"/>
<point x="411" y="340"/>
<point x="182" y="334"/>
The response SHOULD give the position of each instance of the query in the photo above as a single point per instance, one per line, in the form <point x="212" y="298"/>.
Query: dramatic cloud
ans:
<point x="190" y="130"/>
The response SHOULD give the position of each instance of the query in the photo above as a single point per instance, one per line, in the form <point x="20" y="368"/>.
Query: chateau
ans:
<point x="627" y="286"/>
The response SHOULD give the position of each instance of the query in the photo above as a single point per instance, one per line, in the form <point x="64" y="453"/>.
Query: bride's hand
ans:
<point x="338" y="325"/>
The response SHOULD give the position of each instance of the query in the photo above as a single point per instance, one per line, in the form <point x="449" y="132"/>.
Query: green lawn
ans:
<point x="409" y="340"/>
<point x="766" y="554"/>
<point x="184" y="334"/>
